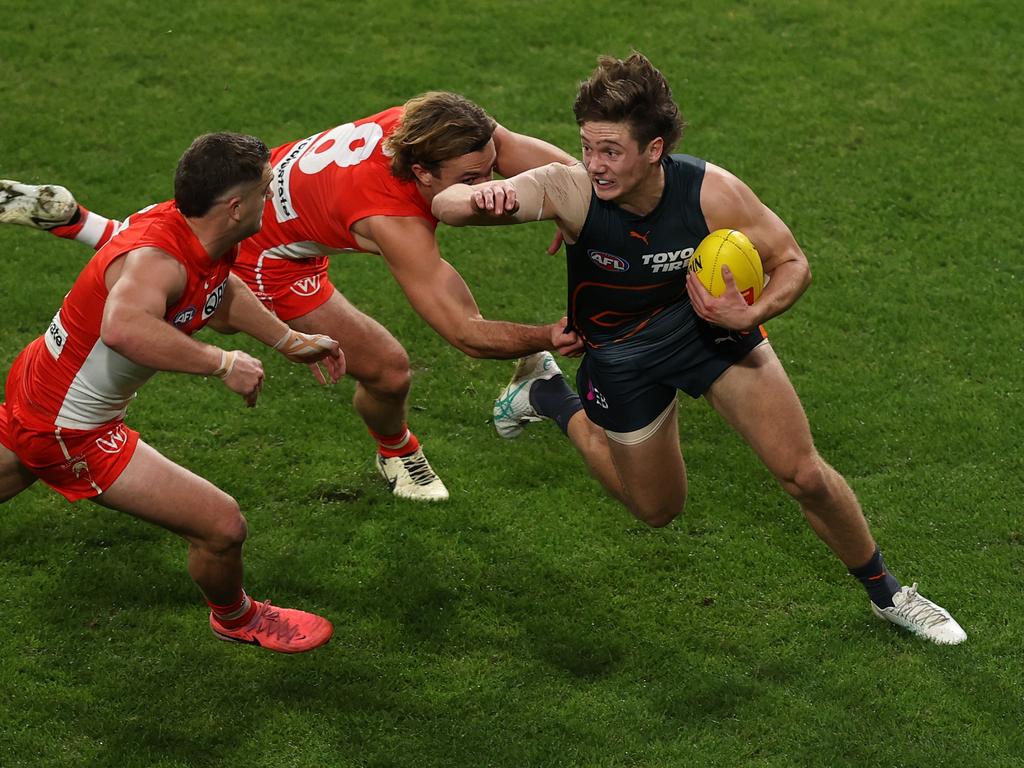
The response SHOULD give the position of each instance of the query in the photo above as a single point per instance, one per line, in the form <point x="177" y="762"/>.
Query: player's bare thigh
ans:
<point x="652" y="471"/>
<point x="756" y="397"/>
<point x="155" y="489"/>
<point x="371" y="352"/>
<point x="14" y="476"/>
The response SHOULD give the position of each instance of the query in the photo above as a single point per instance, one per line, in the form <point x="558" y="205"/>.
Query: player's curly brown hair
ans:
<point x="631" y="91"/>
<point x="435" y="127"/>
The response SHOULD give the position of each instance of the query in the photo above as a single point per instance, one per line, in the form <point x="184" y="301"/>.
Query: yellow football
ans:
<point x="730" y="248"/>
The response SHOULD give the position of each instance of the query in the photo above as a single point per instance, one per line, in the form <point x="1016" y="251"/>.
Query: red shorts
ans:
<point x="289" y="288"/>
<point x="78" y="464"/>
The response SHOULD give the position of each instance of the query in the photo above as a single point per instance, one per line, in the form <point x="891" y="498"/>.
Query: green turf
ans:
<point x="530" y="622"/>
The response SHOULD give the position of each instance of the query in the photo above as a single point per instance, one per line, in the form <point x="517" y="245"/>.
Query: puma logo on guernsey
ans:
<point x="638" y="236"/>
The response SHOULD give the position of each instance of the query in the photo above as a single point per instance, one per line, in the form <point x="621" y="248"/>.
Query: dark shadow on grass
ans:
<point x="215" y="700"/>
<point x="416" y="591"/>
<point x="564" y="639"/>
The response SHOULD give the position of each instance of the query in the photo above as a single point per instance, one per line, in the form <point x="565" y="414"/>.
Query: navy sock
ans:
<point x="553" y="398"/>
<point x="879" y="583"/>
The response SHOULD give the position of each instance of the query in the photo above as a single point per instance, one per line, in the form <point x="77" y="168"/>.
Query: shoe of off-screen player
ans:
<point x="512" y="409"/>
<point x="285" y="630"/>
<point x="42" y="206"/>
<point x="921" y="616"/>
<point x="412" y="477"/>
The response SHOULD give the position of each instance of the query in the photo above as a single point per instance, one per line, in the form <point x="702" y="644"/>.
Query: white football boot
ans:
<point x="921" y="616"/>
<point x="41" y="207"/>
<point x="411" y="477"/>
<point x="512" y="409"/>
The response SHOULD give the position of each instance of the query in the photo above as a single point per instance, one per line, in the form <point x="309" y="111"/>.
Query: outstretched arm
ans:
<point x="240" y="310"/>
<point x="518" y="152"/>
<point x="440" y="296"/>
<point x="554" y="192"/>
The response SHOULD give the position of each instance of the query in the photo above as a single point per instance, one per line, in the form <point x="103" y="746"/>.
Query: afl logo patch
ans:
<point x="184" y="317"/>
<point x="608" y="262"/>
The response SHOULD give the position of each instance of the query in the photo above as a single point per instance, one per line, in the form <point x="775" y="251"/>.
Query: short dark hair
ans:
<point x="435" y="127"/>
<point x="214" y="164"/>
<point x="634" y="92"/>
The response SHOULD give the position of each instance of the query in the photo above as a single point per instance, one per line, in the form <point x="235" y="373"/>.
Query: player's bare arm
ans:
<point x="142" y="285"/>
<point x="441" y="297"/>
<point x="240" y="310"/>
<point x="518" y="152"/>
<point x="728" y="203"/>
<point x="554" y="192"/>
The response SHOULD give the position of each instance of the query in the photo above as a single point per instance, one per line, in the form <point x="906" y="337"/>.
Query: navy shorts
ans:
<point x="625" y="386"/>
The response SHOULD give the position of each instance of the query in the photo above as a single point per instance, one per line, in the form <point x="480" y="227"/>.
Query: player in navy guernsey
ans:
<point x="624" y="268"/>
<point x="631" y="216"/>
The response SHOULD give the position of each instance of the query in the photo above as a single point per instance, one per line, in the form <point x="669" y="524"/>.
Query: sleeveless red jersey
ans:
<point x="71" y="379"/>
<point x="325" y="183"/>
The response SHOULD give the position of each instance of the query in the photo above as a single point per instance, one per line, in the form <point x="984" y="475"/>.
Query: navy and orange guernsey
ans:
<point x="71" y="379"/>
<point x="625" y="270"/>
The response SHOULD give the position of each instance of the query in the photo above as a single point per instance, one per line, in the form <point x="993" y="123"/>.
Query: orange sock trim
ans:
<point x="231" y="616"/>
<point x="402" y="444"/>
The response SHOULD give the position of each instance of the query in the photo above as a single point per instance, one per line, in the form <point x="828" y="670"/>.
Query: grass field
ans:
<point x="530" y="621"/>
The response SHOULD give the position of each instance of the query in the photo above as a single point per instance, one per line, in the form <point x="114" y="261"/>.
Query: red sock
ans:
<point x="88" y="227"/>
<point x="402" y="444"/>
<point x="237" y="614"/>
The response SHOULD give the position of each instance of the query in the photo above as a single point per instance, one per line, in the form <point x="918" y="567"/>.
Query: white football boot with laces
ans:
<point x="512" y="409"/>
<point x="921" y="616"/>
<point x="411" y="477"/>
<point x="38" y="206"/>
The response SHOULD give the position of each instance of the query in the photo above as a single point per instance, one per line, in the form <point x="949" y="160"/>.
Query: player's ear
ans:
<point x="234" y="205"/>
<point x="655" y="149"/>
<point x="423" y="176"/>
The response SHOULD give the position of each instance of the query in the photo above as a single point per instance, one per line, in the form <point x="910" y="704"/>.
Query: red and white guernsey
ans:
<point x="322" y="185"/>
<point x="326" y="182"/>
<point x="68" y="377"/>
